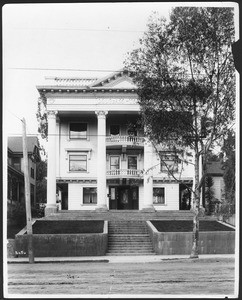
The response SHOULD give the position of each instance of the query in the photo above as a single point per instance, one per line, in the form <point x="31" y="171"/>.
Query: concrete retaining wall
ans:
<point x="213" y="242"/>
<point x="54" y="245"/>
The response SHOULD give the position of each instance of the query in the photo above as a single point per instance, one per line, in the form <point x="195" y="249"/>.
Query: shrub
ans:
<point x="17" y="214"/>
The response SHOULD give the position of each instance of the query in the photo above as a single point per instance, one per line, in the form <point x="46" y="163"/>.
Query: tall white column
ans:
<point x="51" y="166"/>
<point x="101" y="161"/>
<point x="148" y="176"/>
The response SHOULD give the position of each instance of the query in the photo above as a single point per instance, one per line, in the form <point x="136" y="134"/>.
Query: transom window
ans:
<point x="169" y="161"/>
<point x="159" y="195"/>
<point x="78" y="163"/>
<point x="114" y="162"/>
<point x="89" y="195"/>
<point x="114" y="129"/>
<point x="132" y="162"/>
<point x="78" y="130"/>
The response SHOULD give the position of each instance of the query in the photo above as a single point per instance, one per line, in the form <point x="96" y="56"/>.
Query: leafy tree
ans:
<point x="185" y="77"/>
<point x="229" y="173"/>
<point x="41" y="183"/>
<point x="209" y="195"/>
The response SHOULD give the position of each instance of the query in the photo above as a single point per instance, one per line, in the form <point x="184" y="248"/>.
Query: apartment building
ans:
<point x="98" y="159"/>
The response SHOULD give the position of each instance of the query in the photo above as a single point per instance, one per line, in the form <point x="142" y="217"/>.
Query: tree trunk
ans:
<point x="196" y="203"/>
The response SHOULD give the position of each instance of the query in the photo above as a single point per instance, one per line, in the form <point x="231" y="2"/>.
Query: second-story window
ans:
<point x="32" y="173"/>
<point x="114" y="129"/>
<point x="132" y="162"/>
<point x="114" y="162"/>
<point x="78" y="130"/>
<point x="169" y="161"/>
<point x="78" y="163"/>
<point x="16" y="161"/>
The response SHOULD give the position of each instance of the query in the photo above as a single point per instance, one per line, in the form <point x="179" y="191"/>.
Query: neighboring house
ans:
<point x="97" y="159"/>
<point x="16" y="191"/>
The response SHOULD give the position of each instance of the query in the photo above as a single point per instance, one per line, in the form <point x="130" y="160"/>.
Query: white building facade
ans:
<point x="97" y="158"/>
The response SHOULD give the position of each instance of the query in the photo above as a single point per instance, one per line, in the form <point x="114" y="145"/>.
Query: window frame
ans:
<point x="163" y="168"/>
<point x="89" y="203"/>
<point x="78" y="154"/>
<point x="79" y="137"/>
<point x="32" y="172"/>
<point x="164" y="189"/>
<point x="110" y="166"/>
<point x="136" y="162"/>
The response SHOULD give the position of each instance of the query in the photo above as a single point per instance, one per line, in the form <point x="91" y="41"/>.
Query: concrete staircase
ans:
<point x="129" y="238"/>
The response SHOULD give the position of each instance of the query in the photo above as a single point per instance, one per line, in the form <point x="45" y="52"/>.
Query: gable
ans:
<point x="124" y="82"/>
<point x="121" y="79"/>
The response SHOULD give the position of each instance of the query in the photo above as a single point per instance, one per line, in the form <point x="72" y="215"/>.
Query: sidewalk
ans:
<point x="115" y="259"/>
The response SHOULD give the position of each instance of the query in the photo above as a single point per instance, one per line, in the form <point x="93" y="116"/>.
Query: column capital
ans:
<point x="147" y="142"/>
<point x="101" y="113"/>
<point x="52" y="113"/>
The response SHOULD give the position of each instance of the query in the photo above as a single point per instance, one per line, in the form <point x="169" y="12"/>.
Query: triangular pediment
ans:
<point x="119" y="80"/>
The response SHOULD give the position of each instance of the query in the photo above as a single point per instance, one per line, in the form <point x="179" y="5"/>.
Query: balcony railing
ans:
<point x="124" y="173"/>
<point x="124" y="139"/>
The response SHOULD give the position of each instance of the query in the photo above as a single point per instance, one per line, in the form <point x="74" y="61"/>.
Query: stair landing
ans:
<point x="115" y="215"/>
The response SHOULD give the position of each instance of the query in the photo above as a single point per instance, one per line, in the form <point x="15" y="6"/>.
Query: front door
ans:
<point x="123" y="197"/>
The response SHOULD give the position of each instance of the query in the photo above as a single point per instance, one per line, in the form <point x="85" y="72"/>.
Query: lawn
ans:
<point x="187" y="225"/>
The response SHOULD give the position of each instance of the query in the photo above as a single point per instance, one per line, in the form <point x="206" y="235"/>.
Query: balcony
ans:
<point x="124" y="141"/>
<point x="124" y="173"/>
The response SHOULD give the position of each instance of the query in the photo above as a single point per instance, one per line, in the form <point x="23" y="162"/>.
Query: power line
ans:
<point x="98" y="70"/>
<point x="60" y="69"/>
<point x="81" y="29"/>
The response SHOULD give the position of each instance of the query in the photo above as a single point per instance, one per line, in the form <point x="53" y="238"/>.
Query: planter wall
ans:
<point x="54" y="245"/>
<point x="212" y="242"/>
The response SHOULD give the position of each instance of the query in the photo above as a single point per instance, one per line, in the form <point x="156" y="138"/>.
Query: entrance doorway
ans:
<point x="123" y="197"/>
<point x="185" y="197"/>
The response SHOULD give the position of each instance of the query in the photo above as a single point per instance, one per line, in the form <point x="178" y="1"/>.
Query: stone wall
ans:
<point x="213" y="242"/>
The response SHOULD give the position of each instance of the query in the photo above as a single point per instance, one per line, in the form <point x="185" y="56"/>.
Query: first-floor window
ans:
<point x="89" y="195"/>
<point x="78" y="163"/>
<point x="159" y="195"/>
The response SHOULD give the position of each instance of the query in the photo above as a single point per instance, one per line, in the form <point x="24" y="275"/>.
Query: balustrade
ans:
<point x="123" y="139"/>
<point x="124" y="172"/>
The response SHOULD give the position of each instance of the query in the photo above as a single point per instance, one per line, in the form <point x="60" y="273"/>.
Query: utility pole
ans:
<point x="27" y="197"/>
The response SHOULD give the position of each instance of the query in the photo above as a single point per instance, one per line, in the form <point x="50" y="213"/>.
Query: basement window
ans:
<point x="89" y="195"/>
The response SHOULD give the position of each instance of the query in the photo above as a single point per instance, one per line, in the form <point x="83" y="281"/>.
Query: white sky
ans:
<point x="82" y="36"/>
<point x="63" y="36"/>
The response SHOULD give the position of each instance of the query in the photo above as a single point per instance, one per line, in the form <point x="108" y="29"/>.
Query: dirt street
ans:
<point x="168" y="277"/>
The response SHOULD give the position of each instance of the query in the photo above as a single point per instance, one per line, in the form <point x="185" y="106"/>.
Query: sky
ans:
<point x="38" y="38"/>
<point x="41" y="39"/>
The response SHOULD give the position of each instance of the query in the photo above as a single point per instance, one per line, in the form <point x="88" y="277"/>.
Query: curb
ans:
<point x="118" y="259"/>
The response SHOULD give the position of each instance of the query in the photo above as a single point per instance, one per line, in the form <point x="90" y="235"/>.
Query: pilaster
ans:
<point x="101" y="161"/>
<point x="148" y="176"/>
<point x="51" y="166"/>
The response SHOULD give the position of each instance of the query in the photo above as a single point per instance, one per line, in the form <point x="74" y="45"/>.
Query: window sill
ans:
<point x="88" y="204"/>
<point x="159" y="204"/>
